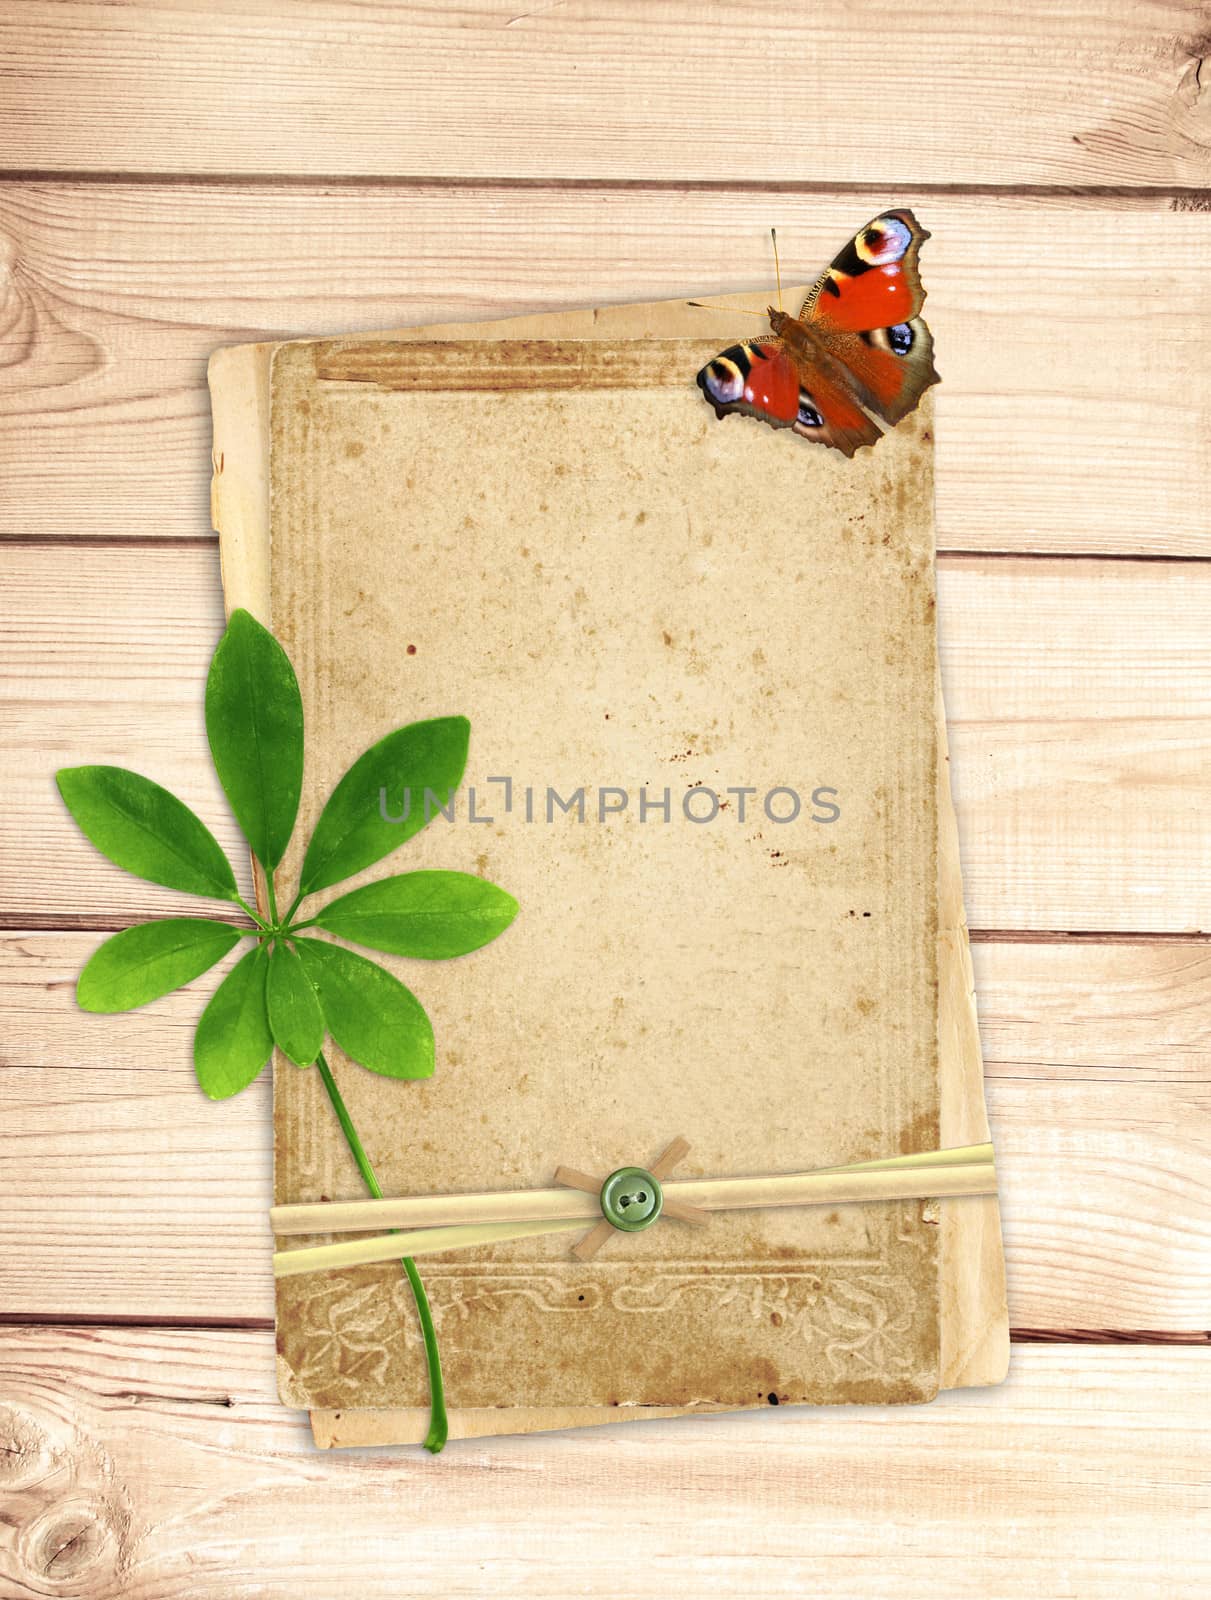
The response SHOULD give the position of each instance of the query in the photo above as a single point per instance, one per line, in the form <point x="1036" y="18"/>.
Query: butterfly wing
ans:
<point x="875" y="281"/>
<point x="859" y="349"/>
<point x="762" y="379"/>
<point x="865" y="309"/>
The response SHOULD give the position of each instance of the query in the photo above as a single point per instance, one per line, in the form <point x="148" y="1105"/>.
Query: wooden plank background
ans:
<point x="178" y="175"/>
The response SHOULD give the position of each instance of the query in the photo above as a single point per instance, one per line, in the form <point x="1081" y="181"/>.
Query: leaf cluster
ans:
<point x="290" y="988"/>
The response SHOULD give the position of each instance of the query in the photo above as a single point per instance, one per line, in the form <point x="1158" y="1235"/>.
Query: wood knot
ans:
<point x="71" y="1549"/>
<point x="25" y="1451"/>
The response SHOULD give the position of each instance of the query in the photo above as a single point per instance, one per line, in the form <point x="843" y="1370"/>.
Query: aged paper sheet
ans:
<point x="973" y="1313"/>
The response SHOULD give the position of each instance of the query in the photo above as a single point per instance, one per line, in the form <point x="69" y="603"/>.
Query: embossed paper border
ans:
<point x="867" y="1311"/>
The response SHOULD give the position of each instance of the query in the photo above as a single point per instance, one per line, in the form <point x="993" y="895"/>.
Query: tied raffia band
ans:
<point x="627" y="1201"/>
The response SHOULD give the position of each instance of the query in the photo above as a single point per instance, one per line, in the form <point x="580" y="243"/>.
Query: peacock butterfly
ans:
<point x="858" y="351"/>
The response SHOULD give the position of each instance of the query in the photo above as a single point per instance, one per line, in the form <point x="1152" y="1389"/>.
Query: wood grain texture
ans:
<point x="150" y="1465"/>
<point x="1082" y="93"/>
<point x="1078" y="694"/>
<point x="1073" y="417"/>
<point x="1074" y="335"/>
<point x="128" y="1194"/>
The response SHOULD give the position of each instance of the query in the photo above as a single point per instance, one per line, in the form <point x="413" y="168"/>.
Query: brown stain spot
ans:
<point x="354" y="448"/>
<point x="833" y="1218"/>
<point x="864" y="1005"/>
<point x="411" y="649"/>
<point x="776" y="1318"/>
<point x="640" y="518"/>
<point x="921" y="1133"/>
<point x="667" y="637"/>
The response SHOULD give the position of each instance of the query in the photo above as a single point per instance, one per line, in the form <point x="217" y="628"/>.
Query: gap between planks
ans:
<point x="951" y="553"/>
<point x="102" y="1320"/>
<point x="16" y="923"/>
<point x="1181" y="197"/>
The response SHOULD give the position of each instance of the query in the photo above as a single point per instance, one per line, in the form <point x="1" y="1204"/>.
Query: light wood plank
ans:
<point x="153" y="1464"/>
<point x="129" y="1194"/>
<point x="921" y="91"/>
<point x="1078" y="694"/>
<point x="1074" y="336"/>
<point x="1078" y="1012"/>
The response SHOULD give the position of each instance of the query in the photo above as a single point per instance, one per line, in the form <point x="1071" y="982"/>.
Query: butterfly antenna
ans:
<point x="740" y="311"/>
<point x="773" y="233"/>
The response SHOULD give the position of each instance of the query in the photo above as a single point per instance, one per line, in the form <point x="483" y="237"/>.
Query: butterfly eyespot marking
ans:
<point x="899" y="340"/>
<point x="885" y="241"/>
<point x="808" y="415"/>
<point x="722" y="381"/>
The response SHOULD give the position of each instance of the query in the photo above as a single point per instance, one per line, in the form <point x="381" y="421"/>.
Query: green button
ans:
<point x="631" y="1199"/>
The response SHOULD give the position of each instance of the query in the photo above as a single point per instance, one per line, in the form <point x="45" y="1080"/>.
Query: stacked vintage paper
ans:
<point x="539" y="524"/>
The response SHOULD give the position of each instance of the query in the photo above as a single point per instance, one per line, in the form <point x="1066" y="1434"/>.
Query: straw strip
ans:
<point x="905" y="1180"/>
<point x="567" y="1205"/>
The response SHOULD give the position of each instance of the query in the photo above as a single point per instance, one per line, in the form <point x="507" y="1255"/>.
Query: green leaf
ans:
<point x="351" y="833"/>
<point x="146" y="830"/>
<point x="254" y="721"/>
<point x="233" y="1041"/>
<point x="375" y="1020"/>
<point x="141" y="964"/>
<point x="294" y="1011"/>
<point x="430" y="915"/>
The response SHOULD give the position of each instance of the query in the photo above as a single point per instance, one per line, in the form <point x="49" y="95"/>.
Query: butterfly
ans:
<point x="858" y="353"/>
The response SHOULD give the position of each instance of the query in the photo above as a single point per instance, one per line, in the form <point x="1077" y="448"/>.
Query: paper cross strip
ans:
<point x="664" y="1205"/>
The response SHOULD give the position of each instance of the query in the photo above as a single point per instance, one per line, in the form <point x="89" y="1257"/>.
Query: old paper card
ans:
<point x="973" y="1323"/>
<point x="711" y="657"/>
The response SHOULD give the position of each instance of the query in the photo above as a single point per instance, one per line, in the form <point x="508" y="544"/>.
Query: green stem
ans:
<point x="273" y="904"/>
<point x="255" y="915"/>
<point x="439" y="1427"/>
<point x="294" y="905"/>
